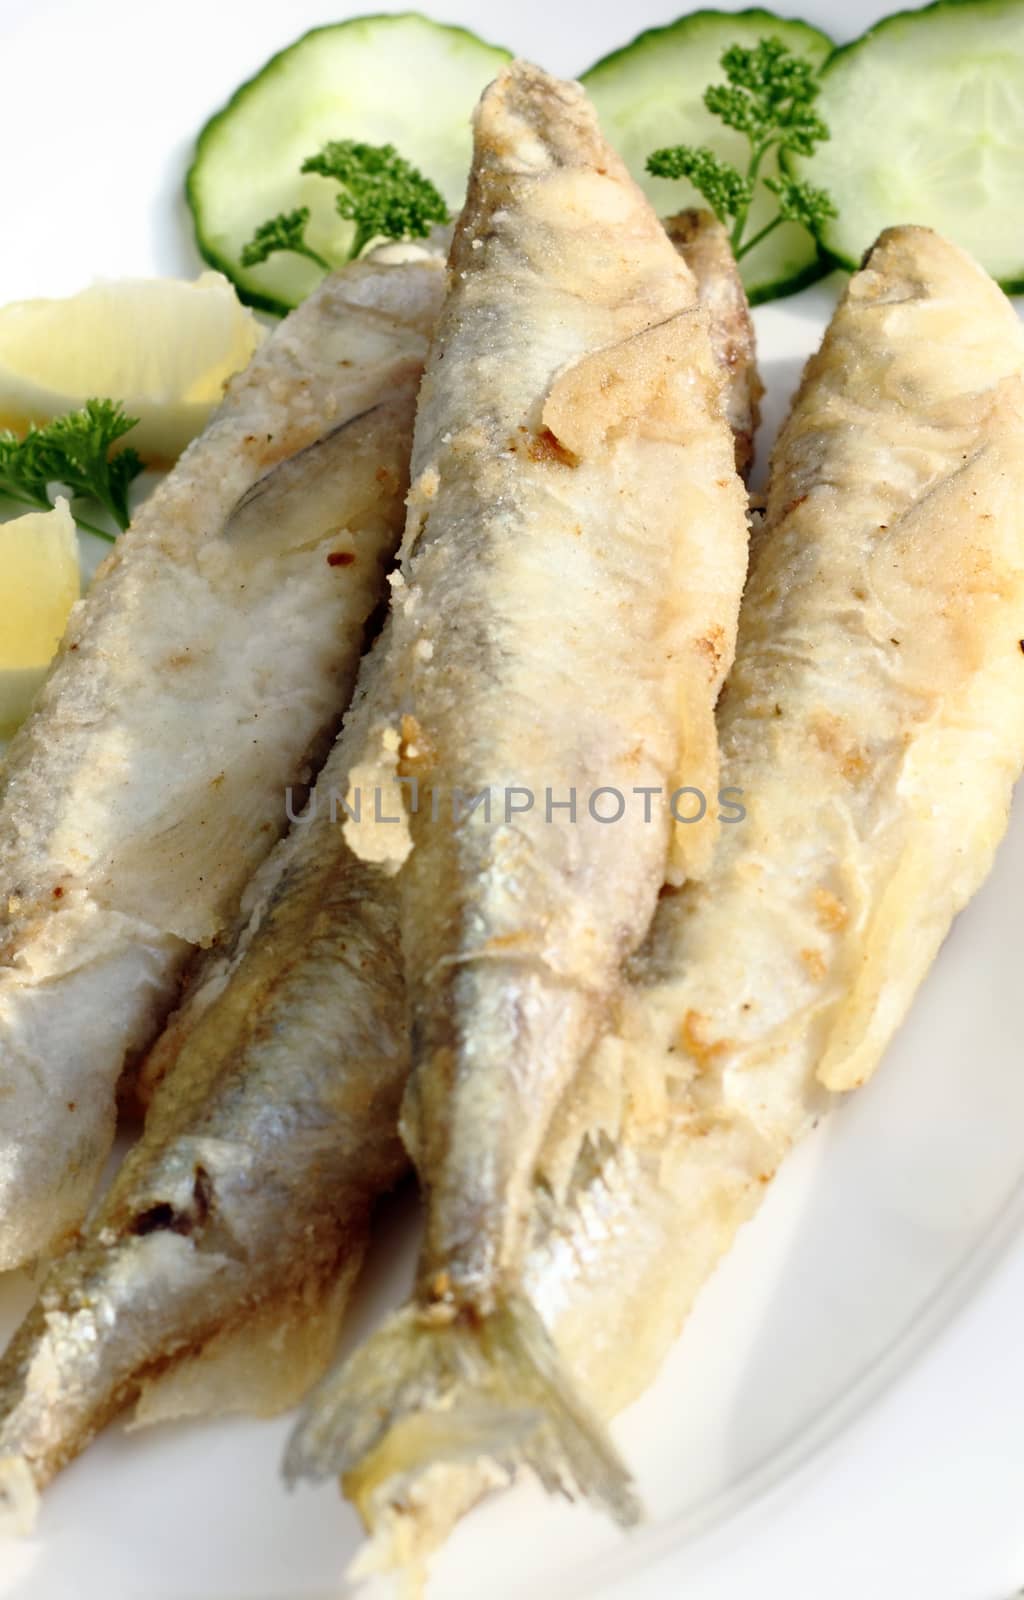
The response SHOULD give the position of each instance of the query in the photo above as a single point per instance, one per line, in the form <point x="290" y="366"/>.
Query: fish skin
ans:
<point x="570" y="582"/>
<point x="242" y="1214"/>
<point x="205" y="672"/>
<point x="767" y="990"/>
<point x="704" y="245"/>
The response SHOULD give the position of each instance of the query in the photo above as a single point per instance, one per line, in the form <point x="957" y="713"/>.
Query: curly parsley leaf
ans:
<point x="22" y="474"/>
<point x="73" y="451"/>
<point x="284" y="232"/>
<point x="384" y="195"/>
<point x="768" y="97"/>
<point x="726" y="191"/>
<point x="802" y="202"/>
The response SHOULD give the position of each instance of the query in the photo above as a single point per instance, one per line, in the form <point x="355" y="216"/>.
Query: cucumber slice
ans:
<point x="926" y="112"/>
<point x="400" y="80"/>
<point x="650" y="94"/>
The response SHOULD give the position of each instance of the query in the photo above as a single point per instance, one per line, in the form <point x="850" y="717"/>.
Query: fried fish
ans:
<point x="206" y="671"/>
<point x="874" y="722"/>
<point x="199" y="1287"/>
<point x="571" y="575"/>
<point x="216" y="1270"/>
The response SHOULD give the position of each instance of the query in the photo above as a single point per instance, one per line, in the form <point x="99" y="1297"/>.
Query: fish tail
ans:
<point x="428" y="1399"/>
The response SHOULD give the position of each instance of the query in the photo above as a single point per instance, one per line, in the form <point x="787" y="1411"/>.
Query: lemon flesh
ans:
<point x="162" y="346"/>
<point x="39" y="582"/>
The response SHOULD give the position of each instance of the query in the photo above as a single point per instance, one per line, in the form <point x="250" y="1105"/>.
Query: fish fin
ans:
<point x="424" y="1395"/>
<point x="626" y="388"/>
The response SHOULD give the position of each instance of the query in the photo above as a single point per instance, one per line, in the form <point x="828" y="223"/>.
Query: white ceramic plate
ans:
<point x="844" y="1415"/>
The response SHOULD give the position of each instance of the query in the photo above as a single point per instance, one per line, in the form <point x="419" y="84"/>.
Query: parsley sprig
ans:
<point x="768" y="97"/>
<point x="384" y="195"/>
<point x="284" y="232"/>
<point x="73" y="452"/>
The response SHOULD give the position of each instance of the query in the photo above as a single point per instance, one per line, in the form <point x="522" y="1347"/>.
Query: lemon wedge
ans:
<point x="40" y="583"/>
<point x="162" y="346"/>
